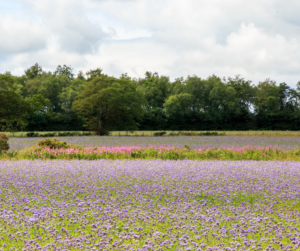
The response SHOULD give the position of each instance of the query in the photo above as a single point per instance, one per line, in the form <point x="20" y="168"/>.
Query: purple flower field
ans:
<point x="149" y="205"/>
<point x="176" y="141"/>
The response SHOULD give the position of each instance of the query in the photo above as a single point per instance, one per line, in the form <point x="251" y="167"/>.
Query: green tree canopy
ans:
<point x="69" y="94"/>
<point x="64" y="70"/>
<point x="49" y="86"/>
<point x="53" y="101"/>
<point x="155" y="89"/>
<point x="108" y="103"/>
<point x="94" y="74"/>
<point x="34" y="71"/>
<point x="178" y="104"/>
<point x="13" y="108"/>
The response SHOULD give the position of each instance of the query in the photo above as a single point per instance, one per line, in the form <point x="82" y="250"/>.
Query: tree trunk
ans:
<point x="99" y="129"/>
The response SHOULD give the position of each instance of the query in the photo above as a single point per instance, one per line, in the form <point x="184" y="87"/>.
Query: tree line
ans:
<point x="61" y="101"/>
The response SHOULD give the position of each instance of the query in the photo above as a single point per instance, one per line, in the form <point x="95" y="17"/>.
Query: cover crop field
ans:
<point x="176" y="141"/>
<point x="149" y="205"/>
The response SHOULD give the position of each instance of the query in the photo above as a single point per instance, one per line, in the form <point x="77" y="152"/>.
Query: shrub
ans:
<point x="186" y="133"/>
<point x="204" y="134"/>
<point x="4" y="146"/>
<point x="104" y="133"/>
<point x="66" y="134"/>
<point x="187" y="147"/>
<point x="208" y="134"/>
<point x="87" y="134"/>
<point x="63" y="134"/>
<point x="197" y="134"/>
<point x="32" y="134"/>
<point x="159" y="133"/>
<point x="55" y="143"/>
<point x="48" y="134"/>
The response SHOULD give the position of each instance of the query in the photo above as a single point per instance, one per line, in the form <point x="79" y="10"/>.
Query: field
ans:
<point x="152" y="204"/>
<point x="168" y="133"/>
<point x="175" y="141"/>
<point x="149" y="205"/>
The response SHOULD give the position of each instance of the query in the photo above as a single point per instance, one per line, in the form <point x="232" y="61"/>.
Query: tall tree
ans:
<point x="178" y="104"/>
<point x="108" y="103"/>
<point x="64" y="70"/>
<point x="49" y="86"/>
<point x="13" y="109"/>
<point x="12" y="106"/>
<point x="155" y="89"/>
<point x="69" y="93"/>
<point x="34" y="71"/>
<point x="91" y="74"/>
<point x="276" y="106"/>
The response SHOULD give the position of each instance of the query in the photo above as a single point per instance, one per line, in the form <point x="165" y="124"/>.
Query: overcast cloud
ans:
<point x="257" y="39"/>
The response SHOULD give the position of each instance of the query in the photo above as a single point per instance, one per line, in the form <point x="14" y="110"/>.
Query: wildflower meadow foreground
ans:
<point x="157" y="152"/>
<point x="149" y="205"/>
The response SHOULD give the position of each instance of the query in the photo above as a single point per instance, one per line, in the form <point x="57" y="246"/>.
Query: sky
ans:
<point x="256" y="39"/>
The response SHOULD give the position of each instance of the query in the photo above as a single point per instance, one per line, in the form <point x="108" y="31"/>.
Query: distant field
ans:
<point x="192" y="133"/>
<point x="228" y="133"/>
<point x="176" y="141"/>
<point x="24" y="134"/>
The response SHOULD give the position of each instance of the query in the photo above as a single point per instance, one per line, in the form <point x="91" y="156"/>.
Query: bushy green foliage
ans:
<point x="159" y="133"/>
<point x="55" y="144"/>
<point x="14" y="108"/>
<point x="60" y="134"/>
<point x="50" y="134"/>
<point x="104" y="133"/>
<point x="32" y="134"/>
<point x="64" y="134"/>
<point x="94" y="153"/>
<point x="4" y="146"/>
<point x="191" y="133"/>
<point x="59" y="101"/>
<point x="109" y="103"/>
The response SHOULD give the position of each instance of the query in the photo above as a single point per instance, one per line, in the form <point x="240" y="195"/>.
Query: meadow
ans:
<point x="193" y="142"/>
<point x="176" y="133"/>
<point x="149" y="205"/>
<point x="153" y="152"/>
<point x="136" y="198"/>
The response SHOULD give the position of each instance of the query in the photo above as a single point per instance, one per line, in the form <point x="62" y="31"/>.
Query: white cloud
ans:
<point x="17" y="35"/>
<point x="258" y="39"/>
<point x="68" y="24"/>
<point x="248" y="51"/>
<point x="134" y="57"/>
